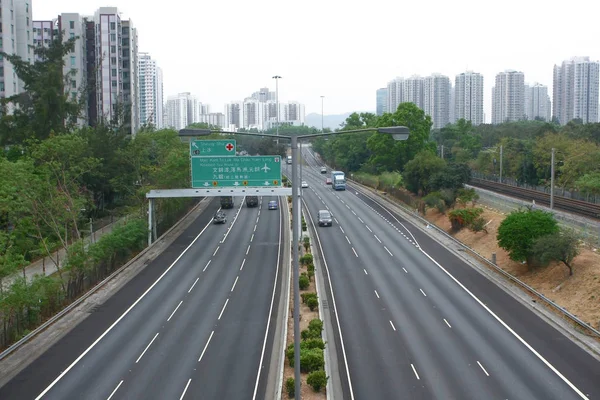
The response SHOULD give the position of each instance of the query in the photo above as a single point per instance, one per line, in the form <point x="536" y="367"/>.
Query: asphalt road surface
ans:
<point x="193" y="324"/>
<point x="418" y="323"/>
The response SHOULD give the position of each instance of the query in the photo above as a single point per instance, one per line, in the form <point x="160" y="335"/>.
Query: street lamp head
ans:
<point x="276" y="77"/>
<point x="194" y="132"/>
<point x="397" y="132"/>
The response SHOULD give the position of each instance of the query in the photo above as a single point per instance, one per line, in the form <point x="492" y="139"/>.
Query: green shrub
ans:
<point x="311" y="274"/>
<point x="316" y="325"/>
<point x="310" y="334"/>
<point x="310" y="266"/>
<point x="317" y="380"/>
<point x="390" y="180"/>
<point x="464" y="196"/>
<point x="304" y="282"/>
<point x="464" y="217"/>
<point x="314" y="343"/>
<point x="306" y="296"/>
<point x="306" y="243"/>
<point x="311" y="360"/>
<point x="306" y="259"/>
<point x="312" y="303"/>
<point x="290" y="387"/>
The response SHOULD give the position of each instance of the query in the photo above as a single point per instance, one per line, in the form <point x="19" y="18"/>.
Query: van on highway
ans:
<point x="251" y="201"/>
<point x="226" y="202"/>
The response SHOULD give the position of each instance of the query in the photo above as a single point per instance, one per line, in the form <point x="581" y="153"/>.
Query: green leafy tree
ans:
<point x="561" y="246"/>
<point x="519" y="230"/>
<point x="589" y="183"/>
<point x="418" y="171"/>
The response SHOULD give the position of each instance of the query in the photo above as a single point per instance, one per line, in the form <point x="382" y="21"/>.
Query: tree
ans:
<point x="561" y="246"/>
<point x="419" y="171"/>
<point x="519" y="230"/>
<point x="589" y="183"/>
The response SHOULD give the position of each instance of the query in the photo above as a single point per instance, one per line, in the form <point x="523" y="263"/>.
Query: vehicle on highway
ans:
<point x="324" y="217"/>
<point x="289" y="160"/>
<point x="273" y="205"/>
<point x="328" y="181"/>
<point x="220" y="217"/>
<point x="226" y="201"/>
<point x="338" y="180"/>
<point x="323" y="170"/>
<point x="251" y="201"/>
<point x="304" y="184"/>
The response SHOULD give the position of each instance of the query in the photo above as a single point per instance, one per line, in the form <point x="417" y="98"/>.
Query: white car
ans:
<point x="304" y="184"/>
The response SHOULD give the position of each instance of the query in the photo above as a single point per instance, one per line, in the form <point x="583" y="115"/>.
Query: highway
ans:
<point x="419" y="323"/>
<point x="192" y="324"/>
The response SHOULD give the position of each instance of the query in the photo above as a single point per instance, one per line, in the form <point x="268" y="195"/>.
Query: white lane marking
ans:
<point x="254" y="228"/>
<point x="483" y="368"/>
<point x="174" y="311"/>
<point x="248" y="249"/>
<point x="347" y="206"/>
<point x="115" y="391"/>
<point x="341" y="229"/>
<point x="405" y="270"/>
<point x="354" y="252"/>
<point x="252" y="237"/>
<point x="342" y="201"/>
<point x="447" y="323"/>
<point x="366" y="273"/>
<point x="185" y="389"/>
<point x="257" y="220"/>
<point x="377" y="238"/>
<point x="508" y="328"/>
<point x="423" y="292"/>
<point x="392" y="324"/>
<point x="147" y="347"/>
<point x="262" y="354"/>
<point x="361" y="221"/>
<point x="232" y="223"/>
<point x="377" y="294"/>
<point x="369" y="229"/>
<point x="415" y="371"/>
<point x="223" y="310"/>
<point x="193" y="284"/>
<point x="243" y="262"/>
<point x="353" y="212"/>
<point x="389" y="252"/>
<point x="217" y="249"/>
<point x="206" y="346"/>
<point x="348" y="240"/>
<point x="207" y="264"/>
<point x="336" y="221"/>
<point x="235" y="283"/>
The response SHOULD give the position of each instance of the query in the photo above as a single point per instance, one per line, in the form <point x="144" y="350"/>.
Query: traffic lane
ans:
<point x="111" y="360"/>
<point x="230" y="366"/>
<point x="445" y="368"/>
<point x="574" y="363"/>
<point x="33" y="379"/>
<point x="378" y="368"/>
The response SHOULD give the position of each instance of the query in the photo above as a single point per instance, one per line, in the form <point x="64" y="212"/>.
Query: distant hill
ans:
<point x="329" y="121"/>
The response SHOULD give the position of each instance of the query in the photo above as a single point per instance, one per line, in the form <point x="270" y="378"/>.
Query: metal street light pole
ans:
<point x="322" y="129"/>
<point x="552" y="180"/>
<point x="397" y="132"/>
<point x="277" y="78"/>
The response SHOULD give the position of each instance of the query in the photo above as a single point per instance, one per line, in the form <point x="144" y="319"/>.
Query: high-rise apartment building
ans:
<point x="151" y="91"/>
<point x="468" y="97"/>
<point x="436" y="99"/>
<point x="16" y="37"/>
<point x="575" y="90"/>
<point x="414" y="91"/>
<point x="216" y="119"/>
<point x="537" y="102"/>
<point x="382" y="99"/>
<point x="395" y="94"/>
<point x="43" y="34"/>
<point x="182" y="110"/>
<point x="508" y="97"/>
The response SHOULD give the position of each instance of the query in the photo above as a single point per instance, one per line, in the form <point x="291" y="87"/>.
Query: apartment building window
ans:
<point x="113" y="49"/>
<point x="113" y="37"/>
<point x="27" y="8"/>
<point x="72" y="24"/>
<point x="114" y="83"/>
<point x="72" y="35"/>
<point x="0" y="27"/>
<point x="27" y="21"/>
<point x="114" y="72"/>
<point x="28" y="36"/>
<point x="46" y="30"/>
<point x="112" y="26"/>
<point x="72" y="61"/>
<point x="1" y="86"/>
<point x="73" y="84"/>
<point x="113" y="60"/>
<point x="12" y="29"/>
<point x="74" y="95"/>
<point x="1" y="71"/>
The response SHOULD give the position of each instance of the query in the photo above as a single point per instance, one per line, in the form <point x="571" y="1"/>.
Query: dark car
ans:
<point x="226" y="202"/>
<point x="324" y="218"/>
<point x="251" y="201"/>
<point x="220" y="217"/>
<point x="273" y="205"/>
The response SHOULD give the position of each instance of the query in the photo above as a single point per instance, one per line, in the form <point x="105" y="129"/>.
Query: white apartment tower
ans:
<point x="508" y="97"/>
<point x="395" y="94"/>
<point x="16" y="37"/>
<point x="468" y="97"/>
<point x="414" y="91"/>
<point x="151" y="94"/>
<point x="182" y="110"/>
<point x="575" y="90"/>
<point x="436" y="99"/>
<point x="537" y="102"/>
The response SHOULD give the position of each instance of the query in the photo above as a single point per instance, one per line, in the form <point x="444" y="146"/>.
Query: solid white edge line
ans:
<point x="355" y="253"/>
<point x="508" y="328"/>
<point x="448" y="323"/>
<point x="147" y="347"/>
<point x="207" y="264"/>
<point x="483" y="368"/>
<point x="193" y="284"/>
<point x="185" y="389"/>
<point x="174" y="311"/>
<point x="235" y="283"/>
<point x="377" y="294"/>
<point x="217" y="249"/>
<point x="335" y="311"/>
<point x="62" y="374"/>
<point x="206" y="346"/>
<point x="415" y="371"/>
<point x="423" y="292"/>
<point x="392" y="324"/>
<point x="243" y="262"/>
<point x="223" y="309"/>
<point x="389" y="252"/>
<point x="262" y="353"/>
<point x="115" y="391"/>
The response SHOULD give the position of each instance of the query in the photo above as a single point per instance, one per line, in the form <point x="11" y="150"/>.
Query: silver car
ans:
<point x="325" y="219"/>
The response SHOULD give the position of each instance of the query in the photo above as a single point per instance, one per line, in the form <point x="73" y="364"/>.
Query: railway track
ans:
<point x="578" y="207"/>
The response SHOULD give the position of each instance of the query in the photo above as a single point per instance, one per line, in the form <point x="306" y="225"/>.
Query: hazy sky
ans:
<point x="224" y="50"/>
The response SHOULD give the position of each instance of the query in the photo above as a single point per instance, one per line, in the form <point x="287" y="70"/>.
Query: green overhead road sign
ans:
<point x="209" y="148"/>
<point x="257" y="171"/>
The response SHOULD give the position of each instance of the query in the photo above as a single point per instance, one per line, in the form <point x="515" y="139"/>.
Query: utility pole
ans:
<point x="277" y="78"/>
<point x="322" y="128"/>
<point x="501" y="151"/>
<point x="552" y="180"/>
